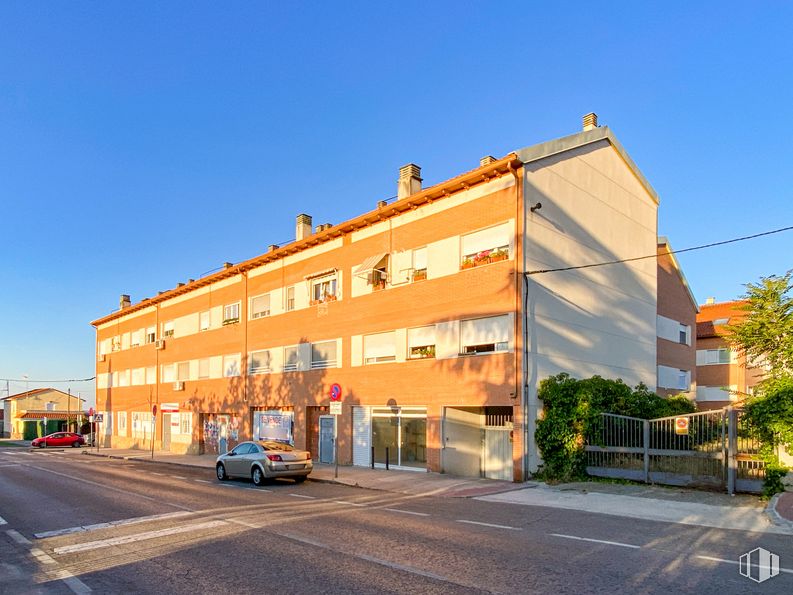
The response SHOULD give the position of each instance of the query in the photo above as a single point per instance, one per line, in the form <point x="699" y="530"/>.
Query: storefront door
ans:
<point x="400" y="434"/>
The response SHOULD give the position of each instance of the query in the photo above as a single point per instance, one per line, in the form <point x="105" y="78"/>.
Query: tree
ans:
<point x="766" y="333"/>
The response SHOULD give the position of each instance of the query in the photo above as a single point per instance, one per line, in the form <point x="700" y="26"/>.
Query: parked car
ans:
<point x="59" y="439"/>
<point x="263" y="460"/>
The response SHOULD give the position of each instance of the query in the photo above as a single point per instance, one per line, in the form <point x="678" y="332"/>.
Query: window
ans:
<point x="683" y="380"/>
<point x="231" y="365"/>
<point x="168" y="373"/>
<point x="708" y="357"/>
<point x="684" y="333"/>
<point x="116" y="345"/>
<point x="419" y="264"/>
<point x="260" y="362"/>
<point x="323" y="290"/>
<point x="485" y="246"/>
<point x="289" y="304"/>
<point x="151" y="334"/>
<point x="135" y="338"/>
<point x="721" y="321"/>
<point x="484" y="335"/>
<point x="203" y="368"/>
<point x="421" y="342"/>
<point x="167" y="329"/>
<point x="231" y="313"/>
<point x="379" y="348"/>
<point x="203" y="321"/>
<point x="50" y="406"/>
<point x="186" y="423"/>
<point x="122" y="423"/>
<point x="260" y="306"/>
<point x="151" y="375"/>
<point x="123" y="378"/>
<point x="323" y="355"/>
<point x="138" y="376"/>
<point x="290" y="358"/>
<point x="183" y="371"/>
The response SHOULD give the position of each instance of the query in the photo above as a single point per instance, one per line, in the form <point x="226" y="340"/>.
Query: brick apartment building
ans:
<point x="725" y="377"/>
<point x="677" y="320"/>
<point x="434" y="313"/>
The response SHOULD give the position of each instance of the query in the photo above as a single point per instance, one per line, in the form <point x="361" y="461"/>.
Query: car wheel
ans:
<point x="221" y="472"/>
<point x="258" y="477"/>
<point x="76" y="444"/>
<point x="41" y="445"/>
<point x="301" y="478"/>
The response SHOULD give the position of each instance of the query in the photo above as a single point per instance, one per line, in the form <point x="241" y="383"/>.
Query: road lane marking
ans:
<point x="3" y="521"/>
<point x="303" y="496"/>
<point x="490" y="525"/>
<point x="18" y="537"/>
<point x="349" y="503"/>
<point x="202" y="481"/>
<point x="9" y="465"/>
<point x="155" y="473"/>
<point x="41" y="556"/>
<point x="407" y="512"/>
<point x="119" y="523"/>
<point x="105" y="486"/>
<point x="617" y="543"/>
<point x="75" y="584"/>
<point x="735" y="562"/>
<point x="178" y="477"/>
<point x="94" y="545"/>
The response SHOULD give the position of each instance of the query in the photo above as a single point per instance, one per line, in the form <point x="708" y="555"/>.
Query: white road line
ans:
<point x="155" y="473"/>
<point x="244" y="523"/>
<point x="407" y="512"/>
<point x="635" y="547"/>
<point x="178" y="477"/>
<point x="74" y="583"/>
<point x="93" y="527"/>
<point x="202" y="481"/>
<point x="303" y="496"/>
<point x="3" y="521"/>
<point x="9" y="465"/>
<point x="489" y="525"/>
<point x="94" y="545"/>
<point x="41" y="556"/>
<point x="18" y="537"/>
<point x="735" y="562"/>
<point x="349" y="503"/>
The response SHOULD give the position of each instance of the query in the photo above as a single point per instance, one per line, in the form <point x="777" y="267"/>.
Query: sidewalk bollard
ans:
<point x="386" y="458"/>
<point x="373" y="457"/>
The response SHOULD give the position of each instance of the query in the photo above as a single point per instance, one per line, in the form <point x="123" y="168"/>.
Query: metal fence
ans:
<point x="717" y="449"/>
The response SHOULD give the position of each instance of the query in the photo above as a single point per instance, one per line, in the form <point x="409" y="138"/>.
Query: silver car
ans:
<point x="263" y="460"/>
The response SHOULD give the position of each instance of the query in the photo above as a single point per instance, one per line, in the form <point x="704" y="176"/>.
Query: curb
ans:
<point x="774" y="516"/>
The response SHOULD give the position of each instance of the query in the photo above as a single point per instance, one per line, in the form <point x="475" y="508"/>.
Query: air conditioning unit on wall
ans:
<point x="179" y="385"/>
<point x="160" y="344"/>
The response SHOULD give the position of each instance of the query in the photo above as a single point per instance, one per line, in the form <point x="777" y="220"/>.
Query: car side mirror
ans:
<point x="232" y="454"/>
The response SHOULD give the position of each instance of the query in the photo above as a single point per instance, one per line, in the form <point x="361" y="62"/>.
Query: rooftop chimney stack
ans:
<point x="272" y="247"/>
<point x="710" y="301"/>
<point x="124" y="301"/>
<point x="590" y="121"/>
<point x="487" y="160"/>
<point x="381" y="204"/>
<point x="302" y="227"/>
<point x="227" y="265"/>
<point x="409" y="180"/>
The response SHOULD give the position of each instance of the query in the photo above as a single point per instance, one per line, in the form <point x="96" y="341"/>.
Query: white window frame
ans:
<point x="498" y="346"/>
<point x="182" y="371"/>
<point x="287" y="367"/>
<point x="151" y="334"/>
<point x="266" y="312"/>
<point x="416" y="262"/>
<point x="486" y="251"/>
<point x="135" y="338"/>
<point x="168" y="328"/>
<point x="230" y="363"/>
<point x="289" y="302"/>
<point x="320" y="364"/>
<point x="186" y="423"/>
<point x="427" y="350"/>
<point x="378" y="338"/>
<point x="318" y="294"/>
<point x="201" y="362"/>
<point x="260" y="369"/>
<point x="231" y="313"/>
<point x="121" y="428"/>
<point x="204" y="320"/>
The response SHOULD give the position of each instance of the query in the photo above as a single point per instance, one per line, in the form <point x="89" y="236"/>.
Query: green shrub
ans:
<point x="572" y="406"/>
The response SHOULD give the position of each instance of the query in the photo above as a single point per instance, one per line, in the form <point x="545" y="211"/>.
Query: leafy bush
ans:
<point x="572" y="406"/>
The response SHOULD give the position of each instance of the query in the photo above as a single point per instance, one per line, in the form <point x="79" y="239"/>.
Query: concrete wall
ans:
<point x="598" y="320"/>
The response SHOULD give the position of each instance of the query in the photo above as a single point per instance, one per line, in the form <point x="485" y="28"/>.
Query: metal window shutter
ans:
<point x="361" y="448"/>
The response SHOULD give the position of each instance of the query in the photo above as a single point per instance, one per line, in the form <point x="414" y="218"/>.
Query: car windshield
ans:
<point x="274" y="445"/>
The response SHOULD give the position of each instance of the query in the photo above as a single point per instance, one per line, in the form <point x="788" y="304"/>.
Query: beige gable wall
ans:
<point x="599" y="320"/>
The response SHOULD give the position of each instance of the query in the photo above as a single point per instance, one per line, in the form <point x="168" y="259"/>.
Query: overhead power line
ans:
<point x="702" y="247"/>
<point x="47" y="381"/>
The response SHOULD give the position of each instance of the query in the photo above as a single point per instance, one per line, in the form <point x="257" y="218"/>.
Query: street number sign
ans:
<point x="335" y="407"/>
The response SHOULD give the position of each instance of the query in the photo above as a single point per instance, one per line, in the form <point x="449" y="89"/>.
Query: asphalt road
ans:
<point x="73" y="524"/>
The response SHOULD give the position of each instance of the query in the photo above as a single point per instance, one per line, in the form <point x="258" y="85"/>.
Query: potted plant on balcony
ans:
<point x="497" y="255"/>
<point x="482" y="258"/>
<point x="419" y="274"/>
<point x="467" y="263"/>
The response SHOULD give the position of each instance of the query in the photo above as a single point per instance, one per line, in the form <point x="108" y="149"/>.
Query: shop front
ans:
<point x="396" y="435"/>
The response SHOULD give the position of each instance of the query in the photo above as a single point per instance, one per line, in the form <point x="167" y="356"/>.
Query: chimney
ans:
<point x="590" y="121"/>
<point x="124" y="301"/>
<point x="381" y="204"/>
<point x="487" y="160"/>
<point x="302" y="227"/>
<point x="409" y="180"/>
<point x="710" y="301"/>
<point x="191" y="280"/>
<point x="272" y="247"/>
<point x="228" y="265"/>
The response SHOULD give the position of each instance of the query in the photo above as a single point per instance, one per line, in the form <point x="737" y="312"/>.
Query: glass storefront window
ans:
<point x="404" y="432"/>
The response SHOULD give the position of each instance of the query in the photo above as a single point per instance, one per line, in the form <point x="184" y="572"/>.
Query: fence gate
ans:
<point x="719" y="450"/>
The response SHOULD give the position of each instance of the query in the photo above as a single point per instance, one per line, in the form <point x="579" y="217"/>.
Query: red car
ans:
<point x="59" y="439"/>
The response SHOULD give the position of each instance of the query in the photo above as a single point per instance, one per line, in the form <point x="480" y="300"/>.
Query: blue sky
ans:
<point x="142" y="144"/>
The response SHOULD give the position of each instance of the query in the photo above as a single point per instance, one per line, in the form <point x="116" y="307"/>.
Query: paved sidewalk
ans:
<point x="666" y="504"/>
